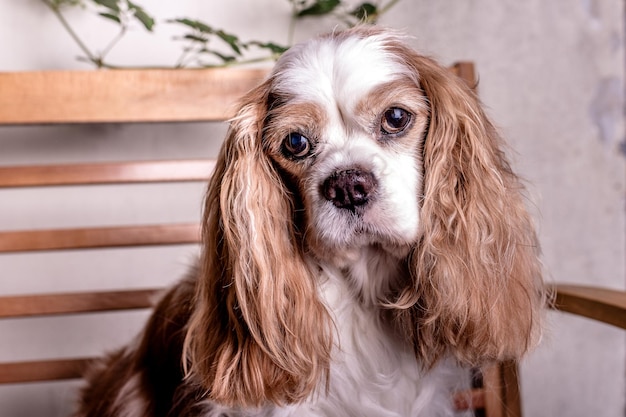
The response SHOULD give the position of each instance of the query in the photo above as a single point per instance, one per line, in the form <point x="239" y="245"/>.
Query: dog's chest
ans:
<point x="373" y="373"/>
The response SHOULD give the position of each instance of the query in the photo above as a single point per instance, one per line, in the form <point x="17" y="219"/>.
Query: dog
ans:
<point x="362" y="233"/>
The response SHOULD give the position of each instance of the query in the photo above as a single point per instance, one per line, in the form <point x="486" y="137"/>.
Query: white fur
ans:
<point x="373" y="373"/>
<point x="128" y="401"/>
<point x="335" y="76"/>
<point x="324" y="69"/>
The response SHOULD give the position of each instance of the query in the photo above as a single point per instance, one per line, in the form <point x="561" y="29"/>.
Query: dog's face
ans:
<point x="355" y="141"/>
<point x="346" y="122"/>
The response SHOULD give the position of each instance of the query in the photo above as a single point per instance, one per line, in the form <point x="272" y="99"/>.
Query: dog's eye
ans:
<point x="297" y="145"/>
<point x="394" y="121"/>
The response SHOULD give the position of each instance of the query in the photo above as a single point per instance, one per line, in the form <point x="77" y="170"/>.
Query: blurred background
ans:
<point x="551" y="76"/>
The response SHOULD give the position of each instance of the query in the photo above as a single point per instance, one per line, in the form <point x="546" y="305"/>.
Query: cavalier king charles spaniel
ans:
<point x="363" y="232"/>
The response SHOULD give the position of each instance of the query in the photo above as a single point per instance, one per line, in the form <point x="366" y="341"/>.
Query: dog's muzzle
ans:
<point x="349" y="189"/>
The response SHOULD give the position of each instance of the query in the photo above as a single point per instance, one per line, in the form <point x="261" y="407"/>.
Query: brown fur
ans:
<point x="259" y="332"/>
<point x="154" y="364"/>
<point x="477" y="288"/>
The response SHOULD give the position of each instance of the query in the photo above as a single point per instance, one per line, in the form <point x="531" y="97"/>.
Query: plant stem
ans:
<point x="388" y="6"/>
<point x="272" y="57"/>
<point x="292" y="23"/>
<point x="68" y="28"/>
<point x="184" y="57"/>
<point x="180" y="62"/>
<point x="111" y="44"/>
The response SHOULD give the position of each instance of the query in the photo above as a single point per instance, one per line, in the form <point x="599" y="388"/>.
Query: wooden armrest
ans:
<point x="607" y="306"/>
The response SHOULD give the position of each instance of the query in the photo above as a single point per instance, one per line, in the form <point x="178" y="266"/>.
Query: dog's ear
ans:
<point x="477" y="287"/>
<point x="259" y="333"/>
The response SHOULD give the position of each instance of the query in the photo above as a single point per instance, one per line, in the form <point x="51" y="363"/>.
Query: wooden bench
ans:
<point x="142" y="96"/>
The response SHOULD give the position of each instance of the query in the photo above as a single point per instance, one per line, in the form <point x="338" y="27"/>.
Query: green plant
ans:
<point x="202" y="44"/>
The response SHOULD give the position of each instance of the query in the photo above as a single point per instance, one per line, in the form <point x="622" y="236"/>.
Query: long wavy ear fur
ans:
<point x="477" y="288"/>
<point x="259" y="333"/>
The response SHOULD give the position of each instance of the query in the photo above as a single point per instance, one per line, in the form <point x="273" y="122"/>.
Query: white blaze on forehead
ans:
<point x="336" y="70"/>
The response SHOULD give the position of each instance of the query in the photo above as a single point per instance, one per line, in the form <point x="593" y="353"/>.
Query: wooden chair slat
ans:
<point x="605" y="305"/>
<point x="502" y="398"/>
<point x="123" y="95"/>
<point x="106" y="173"/>
<point x="467" y="72"/>
<point x="472" y="399"/>
<point x="73" y="303"/>
<point x="47" y="370"/>
<point x="98" y="237"/>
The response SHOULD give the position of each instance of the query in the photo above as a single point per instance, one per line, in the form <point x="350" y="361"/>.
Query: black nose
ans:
<point x="350" y="188"/>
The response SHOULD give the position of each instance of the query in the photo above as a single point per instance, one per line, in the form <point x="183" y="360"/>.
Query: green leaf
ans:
<point x="109" y="4"/>
<point x="58" y="3"/>
<point x="231" y="40"/>
<point x="319" y="8"/>
<point x="146" y="20"/>
<point x="272" y="47"/>
<point x="224" y="58"/>
<point x="111" y="17"/>
<point x="195" y="38"/>
<point x="364" y="10"/>
<point x="194" y="24"/>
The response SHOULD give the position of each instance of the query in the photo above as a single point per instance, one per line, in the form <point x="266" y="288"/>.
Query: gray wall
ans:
<point x="551" y="75"/>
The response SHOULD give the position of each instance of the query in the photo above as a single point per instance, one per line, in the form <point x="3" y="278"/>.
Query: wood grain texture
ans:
<point x="45" y="370"/>
<point x="158" y="95"/>
<point x="605" y="305"/>
<point x="106" y="173"/>
<point x="98" y="237"/>
<point x="73" y="303"/>
<point x="467" y="72"/>
<point x="502" y="394"/>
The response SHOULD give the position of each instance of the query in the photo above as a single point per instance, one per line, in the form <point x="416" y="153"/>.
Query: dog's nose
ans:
<point x="350" y="188"/>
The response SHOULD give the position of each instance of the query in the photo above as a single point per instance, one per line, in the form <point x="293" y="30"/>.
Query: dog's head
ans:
<point x="355" y="141"/>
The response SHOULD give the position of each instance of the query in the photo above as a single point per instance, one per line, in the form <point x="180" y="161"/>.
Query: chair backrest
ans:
<point x="131" y="96"/>
<point x="104" y="97"/>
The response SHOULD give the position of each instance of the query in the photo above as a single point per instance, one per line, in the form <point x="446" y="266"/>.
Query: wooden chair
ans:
<point x="142" y="96"/>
